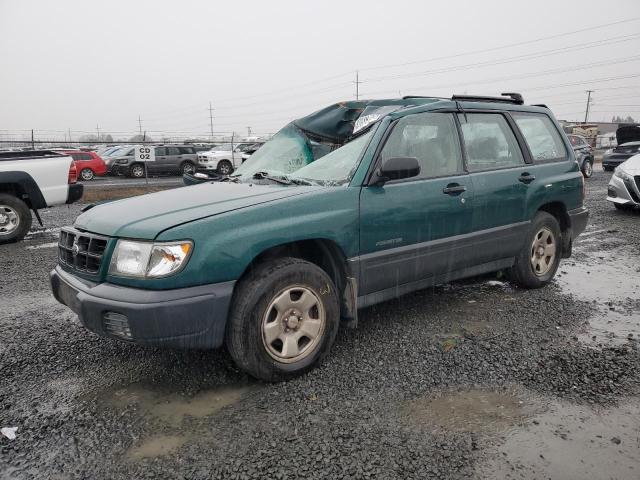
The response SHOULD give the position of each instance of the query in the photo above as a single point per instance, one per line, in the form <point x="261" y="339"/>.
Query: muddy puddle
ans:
<point x="174" y="413"/>
<point x="475" y="410"/>
<point x="156" y="446"/>
<point x="173" y="408"/>
<point x="610" y="279"/>
<point x="571" y="442"/>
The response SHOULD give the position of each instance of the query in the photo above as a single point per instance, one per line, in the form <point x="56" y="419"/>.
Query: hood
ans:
<point x="632" y="165"/>
<point x="148" y="215"/>
<point x="628" y="133"/>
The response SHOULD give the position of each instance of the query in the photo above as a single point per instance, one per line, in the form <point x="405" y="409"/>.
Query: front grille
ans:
<point x="81" y="251"/>
<point x="631" y="188"/>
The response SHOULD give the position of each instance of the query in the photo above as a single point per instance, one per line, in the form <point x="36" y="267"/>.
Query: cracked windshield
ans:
<point x="258" y="242"/>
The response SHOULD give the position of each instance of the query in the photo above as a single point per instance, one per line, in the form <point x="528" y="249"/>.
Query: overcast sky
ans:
<point x="75" y="64"/>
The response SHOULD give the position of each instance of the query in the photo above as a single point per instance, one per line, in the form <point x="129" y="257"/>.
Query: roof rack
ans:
<point x="505" y="98"/>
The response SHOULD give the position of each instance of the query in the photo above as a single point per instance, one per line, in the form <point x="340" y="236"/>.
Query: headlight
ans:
<point x="122" y="160"/>
<point x="621" y="174"/>
<point x="149" y="260"/>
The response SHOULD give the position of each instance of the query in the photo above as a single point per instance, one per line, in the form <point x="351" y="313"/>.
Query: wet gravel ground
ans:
<point x="473" y="379"/>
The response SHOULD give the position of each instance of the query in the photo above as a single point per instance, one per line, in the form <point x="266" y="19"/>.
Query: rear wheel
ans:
<point x="86" y="174"/>
<point x="15" y="219"/>
<point x="187" y="167"/>
<point x="539" y="258"/>
<point x="587" y="169"/>
<point x="225" y="167"/>
<point x="136" y="170"/>
<point x="284" y="319"/>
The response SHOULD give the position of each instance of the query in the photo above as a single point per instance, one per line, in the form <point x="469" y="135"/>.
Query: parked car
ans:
<point x="29" y="182"/>
<point x="224" y="159"/>
<point x="118" y="158"/>
<point x="88" y="164"/>
<point x="624" y="188"/>
<point x="628" y="138"/>
<point x="584" y="154"/>
<point x="356" y="204"/>
<point x="171" y="159"/>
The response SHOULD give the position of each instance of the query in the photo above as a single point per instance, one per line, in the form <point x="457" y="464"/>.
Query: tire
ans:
<point x="86" y="174"/>
<point x="535" y="267"/>
<point x="136" y="170"/>
<point x="608" y="169"/>
<point x="587" y="169"/>
<point x="254" y="315"/>
<point x="15" y="218"/>
<point x="187" y="167"/>
<point x="225" y="167"/>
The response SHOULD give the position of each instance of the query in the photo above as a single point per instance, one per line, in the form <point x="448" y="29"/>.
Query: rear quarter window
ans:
<point x="542" y="137"/>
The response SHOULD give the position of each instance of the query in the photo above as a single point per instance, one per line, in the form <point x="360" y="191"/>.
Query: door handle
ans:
<point x="454" y="189"/>
<point x="526" y="178"/>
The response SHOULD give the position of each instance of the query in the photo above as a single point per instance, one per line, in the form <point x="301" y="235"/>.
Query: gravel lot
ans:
<point x="472" y="379"/>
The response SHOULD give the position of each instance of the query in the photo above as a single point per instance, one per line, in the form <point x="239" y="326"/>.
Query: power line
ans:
<point x="502" y="47"/>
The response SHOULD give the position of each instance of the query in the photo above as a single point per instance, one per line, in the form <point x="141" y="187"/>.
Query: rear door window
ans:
<point x="432" y="139"/>
<point x="186" y="150"/>
<point x="542" y="137"/>
<point x="489" y="142"/>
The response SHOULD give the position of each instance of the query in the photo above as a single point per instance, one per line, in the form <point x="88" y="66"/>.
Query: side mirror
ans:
<point x="396" y="168"/>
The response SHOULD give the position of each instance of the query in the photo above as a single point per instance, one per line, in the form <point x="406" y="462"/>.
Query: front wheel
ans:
<point x="284" y="319"/>
<point x="587" y="169"/>
<point x="225" y="167"/>
<point x="15" y="219"/>
<point x="136" y="171"/>
<point x="86" y="174"/>
<point x="538" y="260"/>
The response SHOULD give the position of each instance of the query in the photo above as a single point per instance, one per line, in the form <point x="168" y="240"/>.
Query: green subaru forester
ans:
<point x="355" y="204"/>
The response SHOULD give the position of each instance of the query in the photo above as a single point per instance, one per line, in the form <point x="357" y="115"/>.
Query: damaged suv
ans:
<point x="353" y="205"/>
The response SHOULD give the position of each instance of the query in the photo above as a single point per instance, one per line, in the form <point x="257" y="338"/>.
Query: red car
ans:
<point x="88" y="164"/>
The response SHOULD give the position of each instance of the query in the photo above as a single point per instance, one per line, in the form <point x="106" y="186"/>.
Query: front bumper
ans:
<point x="623" y="192"/>
<point x="75" y="192"/>
<point x="615" y="160"/>
<point x="193" y="317"/>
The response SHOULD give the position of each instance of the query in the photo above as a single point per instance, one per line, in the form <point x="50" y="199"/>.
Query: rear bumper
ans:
<point x="193" y="317"/>
<point x="579" y="218"/>
<point x="75" y="192"/>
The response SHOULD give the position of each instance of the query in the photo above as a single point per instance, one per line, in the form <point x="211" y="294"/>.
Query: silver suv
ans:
<point x="172" y="159"/>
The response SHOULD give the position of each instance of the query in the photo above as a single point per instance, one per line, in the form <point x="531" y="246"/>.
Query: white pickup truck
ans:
<point x="224" y="159"/>
<point x="30" y="181"/>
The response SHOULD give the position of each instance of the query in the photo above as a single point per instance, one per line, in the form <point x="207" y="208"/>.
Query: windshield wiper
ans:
<point x="266" y="176"/>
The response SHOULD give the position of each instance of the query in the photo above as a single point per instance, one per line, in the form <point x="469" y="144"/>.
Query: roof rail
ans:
<point x="505" y="98"/>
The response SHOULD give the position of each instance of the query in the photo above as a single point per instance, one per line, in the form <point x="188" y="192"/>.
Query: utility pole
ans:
<point x="140" y="125"/>
<point x="357" y="82"/>
<point x="69" y="135"/>
<point x="211" y="119"/>
<point x="586" y="113"/>
<point x="248" y="131"/>
<point x="98" y="130"/>
<point x="33" y="145"/>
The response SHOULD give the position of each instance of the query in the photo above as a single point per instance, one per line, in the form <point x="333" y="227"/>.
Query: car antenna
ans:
<point x="460" y="109"/>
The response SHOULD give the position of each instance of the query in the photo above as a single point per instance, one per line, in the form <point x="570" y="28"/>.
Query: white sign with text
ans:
<point x="145" y="154"/>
